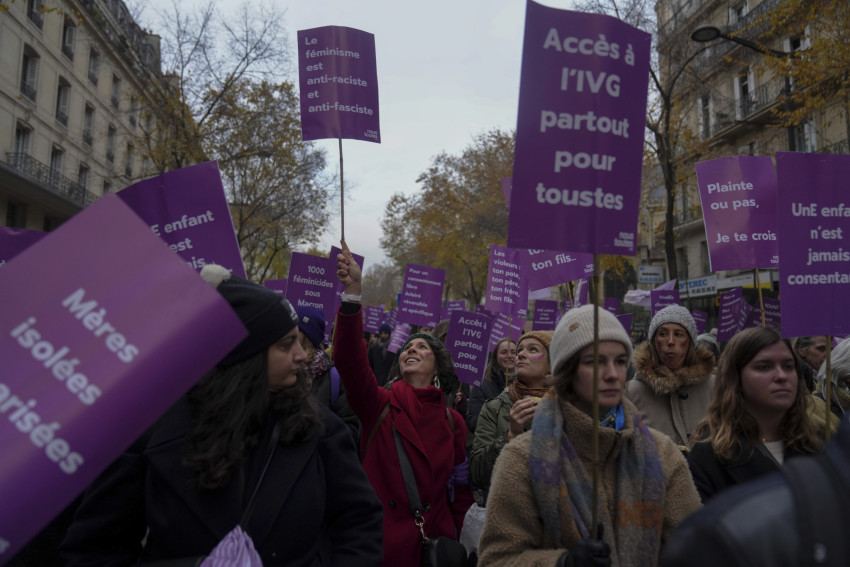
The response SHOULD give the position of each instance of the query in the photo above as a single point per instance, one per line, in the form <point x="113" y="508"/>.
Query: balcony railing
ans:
<point x="28" y="90"/>
<point x="62" y="117"/>
<point x="34" y="15"/>
<point x="837" y="148"/>
<point x="49" y="179"/>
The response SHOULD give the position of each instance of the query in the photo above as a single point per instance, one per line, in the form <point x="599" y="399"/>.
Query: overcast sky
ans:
<point x="447" y="70"/>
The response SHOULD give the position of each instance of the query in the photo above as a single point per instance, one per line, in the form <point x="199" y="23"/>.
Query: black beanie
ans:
<point x="265" y="313"/>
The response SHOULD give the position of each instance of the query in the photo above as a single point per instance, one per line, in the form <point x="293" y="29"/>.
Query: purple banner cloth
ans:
<point x="545" y="268"/>
<point x="188" y="209"/>
<point x="545" y="315"/>
<point x="813" y="221"/>
<point x="312" y="283"/>
<point x="338" y="78"/>
<point x="468" y="340"/>
<point x="626" y="320"/>
<point x="729" y="314"/>
<point x="501" y="322"/>
<point x="700" y="320"/>
<point x="579" y="137"/>
<point x="94" y="357"/>
<point x="277" y="285"/>
<point x="421" y="295"/>
<point x="661" y="298"/>
<point x="612" y="304"/>
<point x="507" y="290"/>
<point x="738" y="196"/>
<point x="400" y="333"/>
<point x="13" y="241"/>
<point x="372" y="320"/>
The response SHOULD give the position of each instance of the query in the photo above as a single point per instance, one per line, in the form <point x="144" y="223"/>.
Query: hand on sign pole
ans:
<point x="348" y="272"/>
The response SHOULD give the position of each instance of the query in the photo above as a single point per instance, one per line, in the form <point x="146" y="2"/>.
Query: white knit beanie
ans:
<point x="674" y="314"/>
<point x="575" y="331"/>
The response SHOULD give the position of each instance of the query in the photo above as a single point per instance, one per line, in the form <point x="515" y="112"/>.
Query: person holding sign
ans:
<point x="246" y="449"/>
<point x="539" y="511"/>
<point x="511" y="413"/>
<point x="757" y="417"/>
<point x="406" y="422"/>
<point x="673" y="375"/>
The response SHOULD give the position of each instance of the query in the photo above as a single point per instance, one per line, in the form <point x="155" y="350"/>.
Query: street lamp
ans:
<point x="704" y="34"/>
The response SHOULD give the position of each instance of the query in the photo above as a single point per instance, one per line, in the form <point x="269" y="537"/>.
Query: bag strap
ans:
<point x="249" y="509"/>
<point x="410" y="486"/>
<point x="377" y="426"/>
<point x="334" y="385"/>
<point x="814" y="489"/>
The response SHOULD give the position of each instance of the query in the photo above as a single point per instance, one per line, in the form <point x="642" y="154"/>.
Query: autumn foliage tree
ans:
<point x="456" y="215"/>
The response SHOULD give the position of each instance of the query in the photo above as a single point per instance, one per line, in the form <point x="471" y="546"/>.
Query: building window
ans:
<point x="69" y="36"/>
<point x="704" y="258"/>
<point x="737" y="12"/>
<point x="83" y="176"/>
<point x="806" y="139"/>
<point x="16" y="215"/>
<point x="88" y="124"/>
<point x="110" y="143"/>
<point x="128" y="161"/>
<point x="107" y="187"/>
<point x="134" y="110"/>
<point x="35" y="12"/>
<point x="29" y="72"/>
<point x="63" y="98"/>
<point x="94" y="66"/>
<point x="51" y="223"/>
<point x="705" y="114"/>
<point x="116" y="91"/>
<point x="57" y="156"/>
<point x="23" y="135"/>
<point x="743" y="88"/>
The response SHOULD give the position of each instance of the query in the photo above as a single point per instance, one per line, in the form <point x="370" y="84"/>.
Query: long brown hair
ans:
<point x="494" y="360"/>
<point x="727" y="420"/>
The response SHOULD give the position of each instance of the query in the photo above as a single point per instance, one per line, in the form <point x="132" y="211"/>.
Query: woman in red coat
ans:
<point x="433" y="436"/>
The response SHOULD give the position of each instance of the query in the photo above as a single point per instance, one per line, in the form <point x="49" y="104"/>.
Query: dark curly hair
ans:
<point x="443" y="364"/>
<point x="233" y="406"/>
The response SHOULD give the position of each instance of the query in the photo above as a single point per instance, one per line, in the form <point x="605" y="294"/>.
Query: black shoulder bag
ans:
<point x="436" y="552"/>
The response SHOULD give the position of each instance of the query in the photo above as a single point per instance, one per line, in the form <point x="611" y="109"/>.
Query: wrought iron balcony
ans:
<point x="28" y="90"/>
<point x="50" y="179"/>
<point x="34" y="15"/>
<point x="837" y="148"/>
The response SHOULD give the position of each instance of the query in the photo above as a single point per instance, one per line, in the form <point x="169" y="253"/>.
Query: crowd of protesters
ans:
<point x="285" y="455"/>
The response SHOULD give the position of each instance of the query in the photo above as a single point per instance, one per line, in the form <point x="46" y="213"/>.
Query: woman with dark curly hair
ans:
<point x="757" y="417"/>
<point x="249" y="431"/>
<point x="411" y="412"/>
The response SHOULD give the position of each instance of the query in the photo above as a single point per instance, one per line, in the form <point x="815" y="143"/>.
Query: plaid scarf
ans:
<point x="562" y="485"/>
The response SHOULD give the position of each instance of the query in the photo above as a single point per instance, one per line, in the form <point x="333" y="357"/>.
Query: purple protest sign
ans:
<point x="507" y="291"/>
<point x="372" y="321"/>
<point x="421" y="295"/>
<point x="738" y="196"/>
<point x="13" y="241"/>
<point x="661" y="298"/>
<point x="545" y="315"/>
<point x="468" y="340"/>
<point x="625" y="320"/>
<point x="456" y="305"/>
<point x="338" y="76"/>
<point x="744" y="315"/>
<point x="772" y="316"/>
<point x="501" y="324"/>
<point x="612" y="304"/>
<point x="813" y="220"/>
<point x="312" y="283"/>
<point x="579" y="137"/>
<point x="392" y="317"/>
<point x="545" y="268"/>
<point x="188" y="209"/>
<point x="95" y="357"/>
<point x="277" y="285"/>
<point x="729" y="314"/>
<point x="400" y="333"/>
<point x="700" y="320"/>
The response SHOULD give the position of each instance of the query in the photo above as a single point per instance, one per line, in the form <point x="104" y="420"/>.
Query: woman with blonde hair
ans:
<point x="757" y="417"/>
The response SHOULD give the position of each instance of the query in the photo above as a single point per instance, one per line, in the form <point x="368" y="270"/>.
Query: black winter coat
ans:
<point x="314" y="507"/>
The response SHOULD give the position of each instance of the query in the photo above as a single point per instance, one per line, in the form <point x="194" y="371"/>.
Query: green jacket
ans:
<point x="491" y="434"/>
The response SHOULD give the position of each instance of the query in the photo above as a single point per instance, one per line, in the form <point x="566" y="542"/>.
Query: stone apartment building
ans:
<point x="73" y="75"/>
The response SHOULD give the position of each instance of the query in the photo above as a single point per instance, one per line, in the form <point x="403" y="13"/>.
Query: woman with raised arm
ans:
<point x="539" y="511"/>
<point x="413" y="411"/>
<point x="758" y="414"/>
